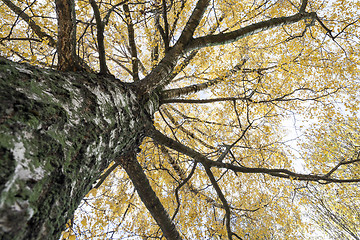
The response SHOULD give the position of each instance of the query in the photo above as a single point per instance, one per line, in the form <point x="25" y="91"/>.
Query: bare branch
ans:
<point x="107" y="16"/>
<point x="106" y="174"/>
<point x="176" y="18"/>
<point x="164" y="32"/>
<point x="283" y="98"/>
<point x="120" y="64"/>
<point x="281" y="173"/>
<point x="20" y="39"/>
<point x="36" y="28"/>
<point x="224" y="38"/>
<point x="228" y="148"/>
<point x="184" y="181"/>
<point x="132" y="44"/>
<point x="328" y="31"/>
<point x="201" y="101"/>
<point x="100" y="26"/>
<point x="342" y="162"/>
<point x="186" y="131"/>
<point x="148" y="196"/>
<point x="222" y="199"/>
<point x="177" y="92"/>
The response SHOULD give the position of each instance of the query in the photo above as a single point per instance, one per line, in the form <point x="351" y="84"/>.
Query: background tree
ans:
<point x="208" y="89"/>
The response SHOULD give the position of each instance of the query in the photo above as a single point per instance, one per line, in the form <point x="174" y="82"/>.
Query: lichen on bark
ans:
<point x="58" y="132"/>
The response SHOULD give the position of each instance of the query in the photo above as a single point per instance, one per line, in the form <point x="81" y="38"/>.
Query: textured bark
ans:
<point x="67" y="59"/>
<point x="58" y="132"/>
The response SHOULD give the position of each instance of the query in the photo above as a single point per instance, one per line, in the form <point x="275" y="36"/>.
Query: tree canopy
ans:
<point x="256" y="133"/>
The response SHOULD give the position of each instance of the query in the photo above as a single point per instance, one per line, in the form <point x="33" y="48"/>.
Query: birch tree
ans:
<point x="167" y="119"/>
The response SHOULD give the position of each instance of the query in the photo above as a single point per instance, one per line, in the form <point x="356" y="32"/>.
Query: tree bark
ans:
<point x="58" y="132"/>
<point x="66" y="46"/>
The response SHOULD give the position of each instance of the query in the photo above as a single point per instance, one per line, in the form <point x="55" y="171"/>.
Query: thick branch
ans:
<point x="106" y="174"/>
<point x="193" y="22"/>
<point x="163" y="73"/>
<point x="303" y="5"/>
<point x="224" y="38"/>
<point x="100" y="26"/>
<point x="281" y="173"/>
<point x="66" y="46"/>
<point x="188" y="59"/>
<point x="177" y="92"/>
<point x="182" y="65"/>
<point x="148" y="196"/>
<point x="160" y="75"/>
<point x="166" y="26"/>
<point x="131" y="36"/>
<point x="39" y="32"/>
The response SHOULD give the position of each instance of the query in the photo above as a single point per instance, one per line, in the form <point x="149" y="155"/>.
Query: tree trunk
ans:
<point x="58" y="132"/>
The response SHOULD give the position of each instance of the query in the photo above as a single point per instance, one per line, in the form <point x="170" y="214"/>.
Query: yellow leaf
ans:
<point x="65" y="235"/>
<point x="84" y="222"/>
<point x="72" y="237"/>
<point x="33" y="58"/>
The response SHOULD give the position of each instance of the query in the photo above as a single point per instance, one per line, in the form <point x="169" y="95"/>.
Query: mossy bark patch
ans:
<point x="58" y="132"/>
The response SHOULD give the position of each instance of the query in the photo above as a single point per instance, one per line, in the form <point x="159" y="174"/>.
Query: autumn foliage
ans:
<point x="257" y="133"/>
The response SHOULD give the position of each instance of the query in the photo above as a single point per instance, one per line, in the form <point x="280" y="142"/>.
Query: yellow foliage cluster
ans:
<point x="290" y="72"/>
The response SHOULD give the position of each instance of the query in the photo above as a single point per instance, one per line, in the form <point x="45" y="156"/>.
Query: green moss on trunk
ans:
<point x="58" y="132"/>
